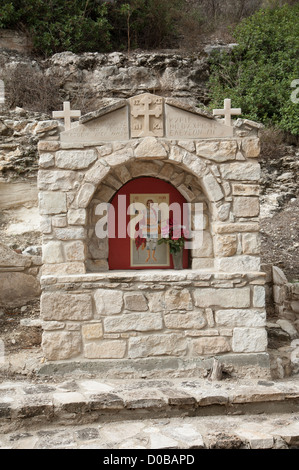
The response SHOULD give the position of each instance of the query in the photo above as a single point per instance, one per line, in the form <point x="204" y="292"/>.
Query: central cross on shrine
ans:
<point x="147" y="119"/>
<point x="66" y="114"/>
<point x="227" y="112"/>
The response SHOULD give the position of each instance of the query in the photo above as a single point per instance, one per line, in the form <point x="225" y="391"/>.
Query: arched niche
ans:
<point x="150" y="177"/>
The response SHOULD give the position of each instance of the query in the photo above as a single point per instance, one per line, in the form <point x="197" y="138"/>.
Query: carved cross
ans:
<point x="227" y="112"/>
<point x="141" y="108"/>
<point x="66" y="114"/>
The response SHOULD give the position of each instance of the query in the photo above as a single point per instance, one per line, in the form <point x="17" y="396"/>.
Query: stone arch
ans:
<point x="168" y="170"/>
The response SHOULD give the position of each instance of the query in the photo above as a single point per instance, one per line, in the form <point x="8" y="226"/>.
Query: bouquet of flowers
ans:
<point x="175" y="235"/>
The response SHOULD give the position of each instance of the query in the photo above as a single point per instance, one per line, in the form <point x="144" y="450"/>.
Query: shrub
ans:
<point x="30" y="88"/>
<point x="258" y="73"/>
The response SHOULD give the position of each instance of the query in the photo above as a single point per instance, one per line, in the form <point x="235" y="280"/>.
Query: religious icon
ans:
<point x="144" y="247"/>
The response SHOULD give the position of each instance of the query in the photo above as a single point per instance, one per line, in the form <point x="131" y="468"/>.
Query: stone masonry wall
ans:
<point x="226" y="170"/>
<point x="142" y="315"/>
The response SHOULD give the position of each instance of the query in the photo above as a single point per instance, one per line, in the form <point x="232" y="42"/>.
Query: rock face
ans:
<point x="18" y="282"/>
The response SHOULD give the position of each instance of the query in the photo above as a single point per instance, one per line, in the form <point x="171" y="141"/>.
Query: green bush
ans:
<point x="258" y="73"/>
<point x="56" y="26"/>
<point x="93" y="25"/>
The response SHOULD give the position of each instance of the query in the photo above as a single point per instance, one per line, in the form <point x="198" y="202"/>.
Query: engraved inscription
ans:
<point x="183" y="124"/>
<point x="112" y="126"/>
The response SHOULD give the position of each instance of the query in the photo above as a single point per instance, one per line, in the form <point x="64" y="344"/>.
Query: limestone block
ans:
<point x="249" y="340"/>
<point x="146" y="168"/>
<point x="239" y="171"/>
<point x="240" y="189"/>
<point x="59" y="221"/>
<point x="119" y="158"/>
<point x="98" y="248"/>
<point x="52" y="325"/>
<point x="98" y="265"/>
<point x="202" y="263"/>
<point x="251" y="243"/>
<point x="58" y="269"/>
<point x="251" y="147"/>
<point x="96" y="173"/>
<point x="288" y="327"/>
<point x="135" y="302"/>
<point x="48" y="146"/>
<point x="244" y="206"/>
<point x="61" y="306"/>
<point x="157" y="345"/>
<point x="195" y="164"/>
<point x="45" y="224"/>
<point x="236" y="227"/>
<point x="70" y="233"/>
<point x="279" y="277"/>
<point x="106" y="349"/>
<point x="209" y="346"/>
<point x="212" y="188"/>
<point x="156" y="301"/>
<point x="85" y="195"/>
<point x="108" y="302"/>
<point x="75" y="251"/>
<point x="225" y="298"/>
<point x="76" y="216"/>
<point x="223" y="211"/>
<point x="178" y="299"/>
<point x="166" y="172"/>
<point x="218" y="151"/>
<point x="226" y="245"/>
<point x="52" y="253"/>
<point x="176" y="154"/>
<point x="52" y="203"/>
<point x="204" y="245"/>
<point x="187" y="145"/>
<point x="279" y="294"/>
<point x="240" y="317"/>
<point x="242" y="263"/>
<point x="123" y="174"/>
<point x="45" y="126"/>
<point x="150" y="147"/>
<point x="17" y="288"/>
<point x="188" y="195"/>
<point x="59" y="345"/>
<point x="259" y="297"/>
<point x="9" y="258"/>
<point x="92" y="331"/>
<point x="104" y="150"/>
<point x="75" y="159"/>
<point x="56" y="180"/>
<point x="133" y="322"/>
<point x="189" y="320"/>
<point x="46" y="160"/>
<point x="105" y="193"/>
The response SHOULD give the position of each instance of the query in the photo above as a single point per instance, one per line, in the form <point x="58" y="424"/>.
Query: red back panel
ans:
<point x="119" y="248"/>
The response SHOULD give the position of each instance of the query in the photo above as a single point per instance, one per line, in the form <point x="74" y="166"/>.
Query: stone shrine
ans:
<point x="130" y="320"/>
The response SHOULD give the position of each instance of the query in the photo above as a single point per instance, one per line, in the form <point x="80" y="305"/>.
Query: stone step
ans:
<point x="275" y="431"/>
<point x="84" y="401"/>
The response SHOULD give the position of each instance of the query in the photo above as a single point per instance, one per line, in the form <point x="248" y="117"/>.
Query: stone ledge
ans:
<point x="157" y="367"/>
<point x="148" y="276"/>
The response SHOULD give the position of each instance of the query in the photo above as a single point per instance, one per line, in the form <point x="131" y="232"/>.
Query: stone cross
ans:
<point x="227" y="112"/>
<point x="141" y="108"/>
<point x="66" y="114"/>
